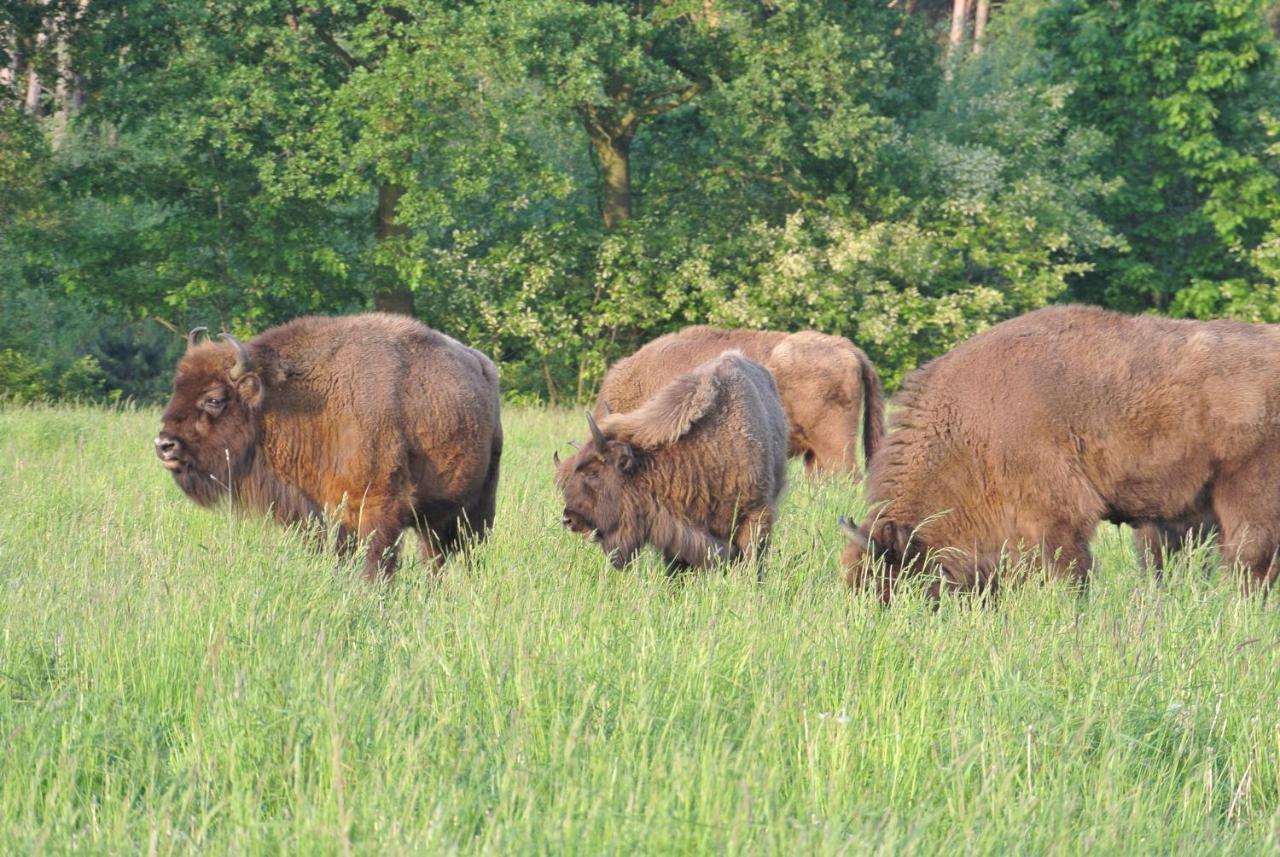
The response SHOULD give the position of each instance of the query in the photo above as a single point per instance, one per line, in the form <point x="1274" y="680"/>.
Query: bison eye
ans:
<point x="213" y="405"/>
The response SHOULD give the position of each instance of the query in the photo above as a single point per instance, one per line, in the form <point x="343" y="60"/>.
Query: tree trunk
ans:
<point x="908" y="9"/>
<point x="611" y="141"/>
<point x="389" y="294"/>
<point x="31" y="98"/>
<point x="61" y="97"/>
<point x="980" y="15"/>
<point x="31" y="101"/>
<point x="68" y="89"/>
<point x="959" y="17"/>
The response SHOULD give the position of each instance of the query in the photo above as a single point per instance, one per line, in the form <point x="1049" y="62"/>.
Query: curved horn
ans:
<point x="243" y="363"/>
<point x="597" y="436"/>
<point x="852" y="533"/>
<point x="195" y="332"/>
<point x="555" y="458"/>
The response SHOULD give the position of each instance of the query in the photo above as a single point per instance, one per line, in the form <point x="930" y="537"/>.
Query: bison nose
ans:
<point x="166" y="446"/>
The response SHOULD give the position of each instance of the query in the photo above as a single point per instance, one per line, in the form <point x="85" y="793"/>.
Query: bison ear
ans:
<point x="621" y="456"/>
<point x="249" y="389"/>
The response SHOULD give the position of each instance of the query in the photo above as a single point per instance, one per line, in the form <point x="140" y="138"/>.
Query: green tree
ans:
<point x="1180" y="87"/>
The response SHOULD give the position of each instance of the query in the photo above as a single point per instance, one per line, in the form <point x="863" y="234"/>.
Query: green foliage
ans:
<point x="85" y="381"/>
<point x="21" y="378"/>
<point x="25" y="380"/>
<point x="1180" y="87"/>
<point x="790" y="164"/>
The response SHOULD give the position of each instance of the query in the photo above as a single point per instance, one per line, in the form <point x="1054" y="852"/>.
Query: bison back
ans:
<point x="1069" y="415"/>
<point x="633" y="380"/>
<point x="383" y="399"/>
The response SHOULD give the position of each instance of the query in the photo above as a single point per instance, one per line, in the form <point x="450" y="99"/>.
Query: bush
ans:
<point x="21" y="378"/>
<point x="85" y="381"/>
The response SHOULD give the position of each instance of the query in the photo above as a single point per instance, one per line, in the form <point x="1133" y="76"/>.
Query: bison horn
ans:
<point x="597" y="436"/>
<point x="195" y="332"/>
<point x="243" y="364"/>
<point x="555" y="457"/>
<point x="853" y="533"/>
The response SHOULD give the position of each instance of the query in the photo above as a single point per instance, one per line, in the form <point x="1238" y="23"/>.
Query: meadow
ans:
<point x="178" y="680"/>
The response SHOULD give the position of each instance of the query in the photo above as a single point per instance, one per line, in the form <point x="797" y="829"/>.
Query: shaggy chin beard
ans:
<point x="208" y="488"/>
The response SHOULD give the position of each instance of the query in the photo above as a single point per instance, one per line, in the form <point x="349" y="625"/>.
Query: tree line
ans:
<point x="558" y="181"/>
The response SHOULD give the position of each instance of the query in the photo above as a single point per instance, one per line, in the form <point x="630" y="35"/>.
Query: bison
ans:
<point x="375" y="418"/>
<point x="828" y="386"/>
<point x="1022" y="439"/>
<point x="696" y="471"/>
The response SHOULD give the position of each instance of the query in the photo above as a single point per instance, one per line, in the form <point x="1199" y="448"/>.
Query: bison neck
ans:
<point x="262" y="489"/>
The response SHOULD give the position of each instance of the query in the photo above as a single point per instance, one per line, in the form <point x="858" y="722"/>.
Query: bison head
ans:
<point x="596" y="481"/>
<point x="210" y="428"/>
<point x="876" y="553"/>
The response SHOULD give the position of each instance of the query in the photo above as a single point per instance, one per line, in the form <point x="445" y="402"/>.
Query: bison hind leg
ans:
<point x="443" y="534"/>
<point x="383" y="553"/>
<point x="377" y="523"/>
<point x="437" y="528"/>
<point x="445" y="530"/>
<point x="480" y="514"/>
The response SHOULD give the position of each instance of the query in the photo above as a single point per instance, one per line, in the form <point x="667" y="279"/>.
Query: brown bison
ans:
<point x="1023" y="438"/>
<point x="696" y="471"/>
<point x="828" y="386"/>
<point x="375" y="417"/>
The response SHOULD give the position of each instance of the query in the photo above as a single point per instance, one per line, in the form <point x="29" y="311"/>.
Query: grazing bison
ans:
<point x="696" y="471"/>
<point x="828" y="386"/>
<point x="1026" y="436"/>
<point x="374" y="416"/>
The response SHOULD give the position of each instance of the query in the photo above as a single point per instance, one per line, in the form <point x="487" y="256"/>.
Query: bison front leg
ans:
<point x="1157" y="542"/>
<point x="1071" y="559"/>
<point x="1152" y="546"/>
<point x="751" y="534"/>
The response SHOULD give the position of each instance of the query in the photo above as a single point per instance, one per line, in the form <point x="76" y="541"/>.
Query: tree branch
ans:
<point x="683" y="95"/>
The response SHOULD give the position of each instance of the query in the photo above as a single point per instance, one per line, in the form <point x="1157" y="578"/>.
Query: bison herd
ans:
<point x="1005" y="453"/>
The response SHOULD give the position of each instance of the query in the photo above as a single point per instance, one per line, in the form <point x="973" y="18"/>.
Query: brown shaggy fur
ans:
<point x="696" y="471"/>
<point x="828" y="386"/>
<point x="375" y="416"/>
<point x="1023" y="438"/>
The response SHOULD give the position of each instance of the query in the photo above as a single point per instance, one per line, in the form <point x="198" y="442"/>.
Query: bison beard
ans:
<point x="697" y="471"/>
<point x="1021" y="440"/>
<point x="827" y="385"/>
<point x="373" y="418"/>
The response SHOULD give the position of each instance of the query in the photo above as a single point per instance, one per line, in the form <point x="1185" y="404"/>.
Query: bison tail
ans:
<point x="872" y="409"/>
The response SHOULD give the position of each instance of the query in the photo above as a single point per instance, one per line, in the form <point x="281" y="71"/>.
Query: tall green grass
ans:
<point x="177" y="680"/>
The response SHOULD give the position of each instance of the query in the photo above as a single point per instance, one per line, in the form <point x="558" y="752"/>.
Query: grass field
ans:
<point x="175" y="680"/>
